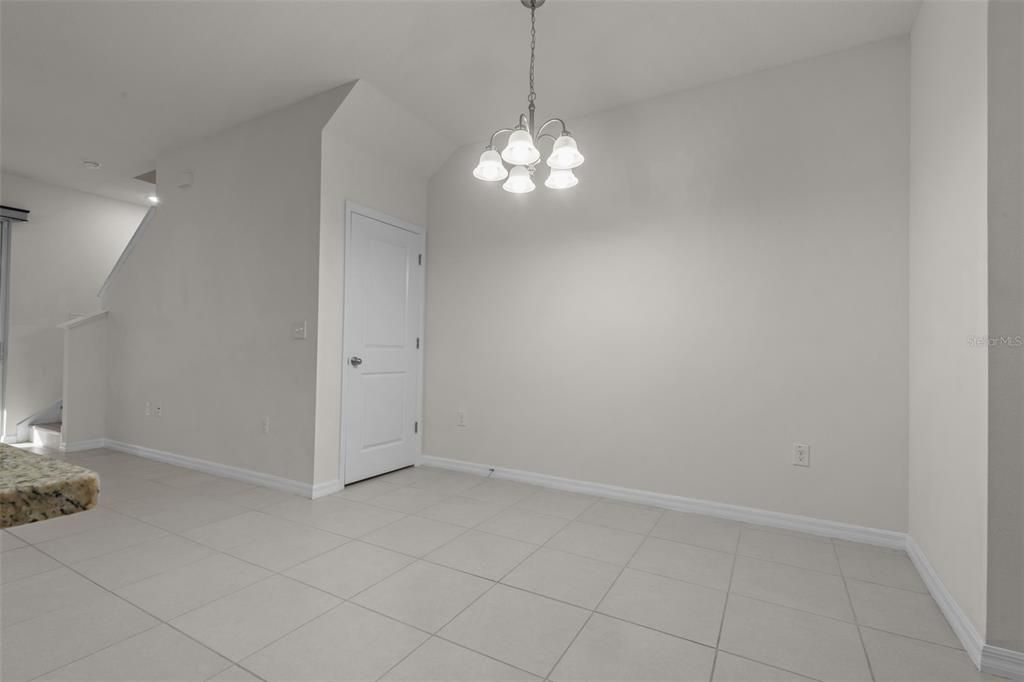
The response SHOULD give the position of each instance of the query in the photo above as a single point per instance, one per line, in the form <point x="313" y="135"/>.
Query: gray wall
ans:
<point x="1006" y="319"/>
<point x="201" y="313"/>
<point x="59" y="260"/>
<point x="948" y="297"/>
<point x="729" y="277"/>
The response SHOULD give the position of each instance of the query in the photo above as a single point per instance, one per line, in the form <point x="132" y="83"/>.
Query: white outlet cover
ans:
<point x="801" y="455"/>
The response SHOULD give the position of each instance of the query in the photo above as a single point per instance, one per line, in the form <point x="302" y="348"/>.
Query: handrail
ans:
<point x="127" y="249"/>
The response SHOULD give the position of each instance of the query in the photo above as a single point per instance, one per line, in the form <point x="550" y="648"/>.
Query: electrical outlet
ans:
<point x="299" y="330"/>
<point x="265" y="425"/>
<point x="159" y="411"/>
<point x="460" y="419"/>
<point x="801" y="455"/>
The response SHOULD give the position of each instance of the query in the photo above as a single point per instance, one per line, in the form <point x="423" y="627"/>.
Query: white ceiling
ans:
<point x="118" y="82"/>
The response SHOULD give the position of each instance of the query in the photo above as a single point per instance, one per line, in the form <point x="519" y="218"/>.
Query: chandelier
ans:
<point x="521" y="153"/>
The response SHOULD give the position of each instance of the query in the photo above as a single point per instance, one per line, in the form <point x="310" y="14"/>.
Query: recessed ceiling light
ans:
<point x="153" y="199"/>
<point x="91" y="165"/>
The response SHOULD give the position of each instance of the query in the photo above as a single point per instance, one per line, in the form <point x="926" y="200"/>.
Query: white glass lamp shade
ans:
<point x="490" y="167"/>
<point x="561" y="179"/>
<point x="519" y="181"/>
<point x="520" y="150"/>
<point x="564" y="154"/>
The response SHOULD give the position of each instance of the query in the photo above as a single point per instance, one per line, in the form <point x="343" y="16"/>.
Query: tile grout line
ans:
<point x="348" y="539"/>
<point x="415" y="559"/>
<point x="590" y="616"/>
<point x="769" y="665"/>
<point x="350" y="600"/>
<point x="160" y="621"/>
<point x="853" y="611"/>
<point x="232" y="592"/>
<point x="725" y="604"/>
<point x="596" y="499"/>
<point x="495" y="583"/>
<point x="424" y="559"/>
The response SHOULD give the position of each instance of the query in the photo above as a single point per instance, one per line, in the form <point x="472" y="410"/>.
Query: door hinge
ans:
<point x="415" y="427"/>
<point x="421" y="259"/>
<point x="417" y="342"/>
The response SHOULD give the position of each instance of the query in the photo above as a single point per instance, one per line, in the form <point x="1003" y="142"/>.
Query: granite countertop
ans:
<point x="34" y="487"/>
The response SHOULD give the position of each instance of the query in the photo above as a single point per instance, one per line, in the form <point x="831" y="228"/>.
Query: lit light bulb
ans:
<point x="519" y="181"/>
<point x="564" y="154"/>
<point x="490" y="168"/>
<point x="520" y="150"/>
<point x="561" y="179"/>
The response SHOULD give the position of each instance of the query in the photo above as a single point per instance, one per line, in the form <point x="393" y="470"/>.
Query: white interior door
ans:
<point x="383" y="321"/>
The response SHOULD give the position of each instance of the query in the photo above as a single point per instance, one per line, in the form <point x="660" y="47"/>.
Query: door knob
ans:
<point x="355" y="361"/>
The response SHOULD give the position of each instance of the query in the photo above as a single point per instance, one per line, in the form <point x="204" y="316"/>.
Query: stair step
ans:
<point x="55" y="427"/>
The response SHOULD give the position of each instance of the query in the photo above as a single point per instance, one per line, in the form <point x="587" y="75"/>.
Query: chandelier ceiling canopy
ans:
<point x="518" y="160"/>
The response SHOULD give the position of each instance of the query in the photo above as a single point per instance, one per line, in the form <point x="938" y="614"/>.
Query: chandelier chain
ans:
<point x="533" y="49"/>
<point x="518" y="161"/>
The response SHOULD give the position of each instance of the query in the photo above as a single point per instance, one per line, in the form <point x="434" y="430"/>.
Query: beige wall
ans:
<point x="59" y="260"/>
<point x="948" y="297"/>
<point x="1006" y="319"/>
<point x="201" y="314"/>
<point x="729" y="278"/>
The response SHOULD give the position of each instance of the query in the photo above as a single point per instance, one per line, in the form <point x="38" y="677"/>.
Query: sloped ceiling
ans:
<point x="117" y="82"/>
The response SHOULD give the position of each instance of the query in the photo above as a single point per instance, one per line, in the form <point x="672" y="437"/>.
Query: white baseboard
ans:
<point x="1002" y="662"/>
<point x="93" y="444"/>
<point x="805" y="524"/>
<point x="327" y="488"/>
<point x="962" y="626"/>
<point x="245" y="475"/>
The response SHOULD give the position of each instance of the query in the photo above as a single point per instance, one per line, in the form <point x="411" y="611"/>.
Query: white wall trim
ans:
<point x="327" y="488"/>
<point x="245" y="475"/>
<point x="958" y="620"/>
<point x="286" y="485"/>
<point x="805" y="524"/>
<point x="93" y="444"/>
<point x="1003" y="662"/>
<point x="989" y="659"/>
<point x="84" y="319"/>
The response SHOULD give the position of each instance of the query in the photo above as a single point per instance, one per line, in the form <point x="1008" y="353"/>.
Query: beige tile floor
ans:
<point x="433" y="575"/>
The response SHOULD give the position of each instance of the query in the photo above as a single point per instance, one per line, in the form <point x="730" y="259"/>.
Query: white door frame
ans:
<point x="353" y="208"/>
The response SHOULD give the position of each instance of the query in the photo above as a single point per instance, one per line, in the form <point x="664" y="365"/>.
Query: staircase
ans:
<point x="48" y="421"/>
<point x="46" y="435"/>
